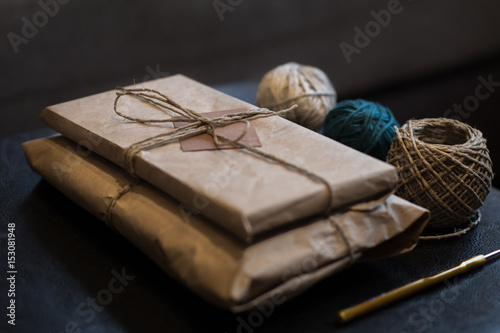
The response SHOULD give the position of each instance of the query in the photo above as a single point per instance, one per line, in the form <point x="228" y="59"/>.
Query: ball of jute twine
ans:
<point x="444" y="166"/>
<point x="306" y="86"/>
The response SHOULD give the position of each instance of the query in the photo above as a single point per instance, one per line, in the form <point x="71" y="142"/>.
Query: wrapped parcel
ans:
<point x="244" y="194"/>
<point x="206" y="258"/>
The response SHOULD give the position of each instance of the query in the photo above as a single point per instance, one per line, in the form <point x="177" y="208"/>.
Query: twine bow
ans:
<point x="198" y="124"/>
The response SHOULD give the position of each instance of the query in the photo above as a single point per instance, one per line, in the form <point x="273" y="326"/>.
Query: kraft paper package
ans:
<point x="244" y="194"/>
<point x="215" y="264"/>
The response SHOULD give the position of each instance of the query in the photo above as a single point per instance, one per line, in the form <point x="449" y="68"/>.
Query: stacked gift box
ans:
<point x="240" y="227"/>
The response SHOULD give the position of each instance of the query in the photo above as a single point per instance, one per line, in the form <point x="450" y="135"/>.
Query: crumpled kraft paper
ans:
<point x="213" y="263"/>
<point x="243" y="193"/>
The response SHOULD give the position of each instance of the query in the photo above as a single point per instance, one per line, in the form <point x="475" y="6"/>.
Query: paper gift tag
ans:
<point x="233" y="131"/>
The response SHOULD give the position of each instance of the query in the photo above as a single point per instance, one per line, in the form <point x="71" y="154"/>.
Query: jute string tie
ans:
<point x="344" y="238"/>
<point x="114" y="200"/>
<point x="198" y="124"/>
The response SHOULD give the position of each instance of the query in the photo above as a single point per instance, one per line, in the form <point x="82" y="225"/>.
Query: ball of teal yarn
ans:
<point x="365" y="126"/>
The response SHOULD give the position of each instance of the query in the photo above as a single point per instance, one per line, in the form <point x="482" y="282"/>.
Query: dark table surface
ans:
<point x="65" y="257"/>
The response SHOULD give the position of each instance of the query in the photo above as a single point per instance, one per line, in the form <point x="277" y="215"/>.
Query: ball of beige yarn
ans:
<point x="444" y="166"/>
<point x="306" y="86"/>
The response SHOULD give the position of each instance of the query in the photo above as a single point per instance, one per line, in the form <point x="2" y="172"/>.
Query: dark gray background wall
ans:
<point x="90" y="46"/>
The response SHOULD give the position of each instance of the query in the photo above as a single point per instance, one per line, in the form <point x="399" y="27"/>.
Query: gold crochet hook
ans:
<point x="384" y="299"/>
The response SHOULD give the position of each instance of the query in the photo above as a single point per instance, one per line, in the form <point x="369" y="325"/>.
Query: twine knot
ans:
<point x="198" y="124"/>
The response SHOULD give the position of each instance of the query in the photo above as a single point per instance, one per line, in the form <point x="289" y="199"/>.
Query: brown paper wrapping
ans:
<point x="245" y="194"/>
<point x="213" y="263"/>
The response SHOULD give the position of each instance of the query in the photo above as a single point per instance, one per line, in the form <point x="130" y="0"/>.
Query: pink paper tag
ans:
<point x="233" y="131"/>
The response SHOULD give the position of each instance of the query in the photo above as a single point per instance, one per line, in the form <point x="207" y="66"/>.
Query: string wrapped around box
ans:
<point x="444" y="166"/>
<point x="306" y="86"/>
